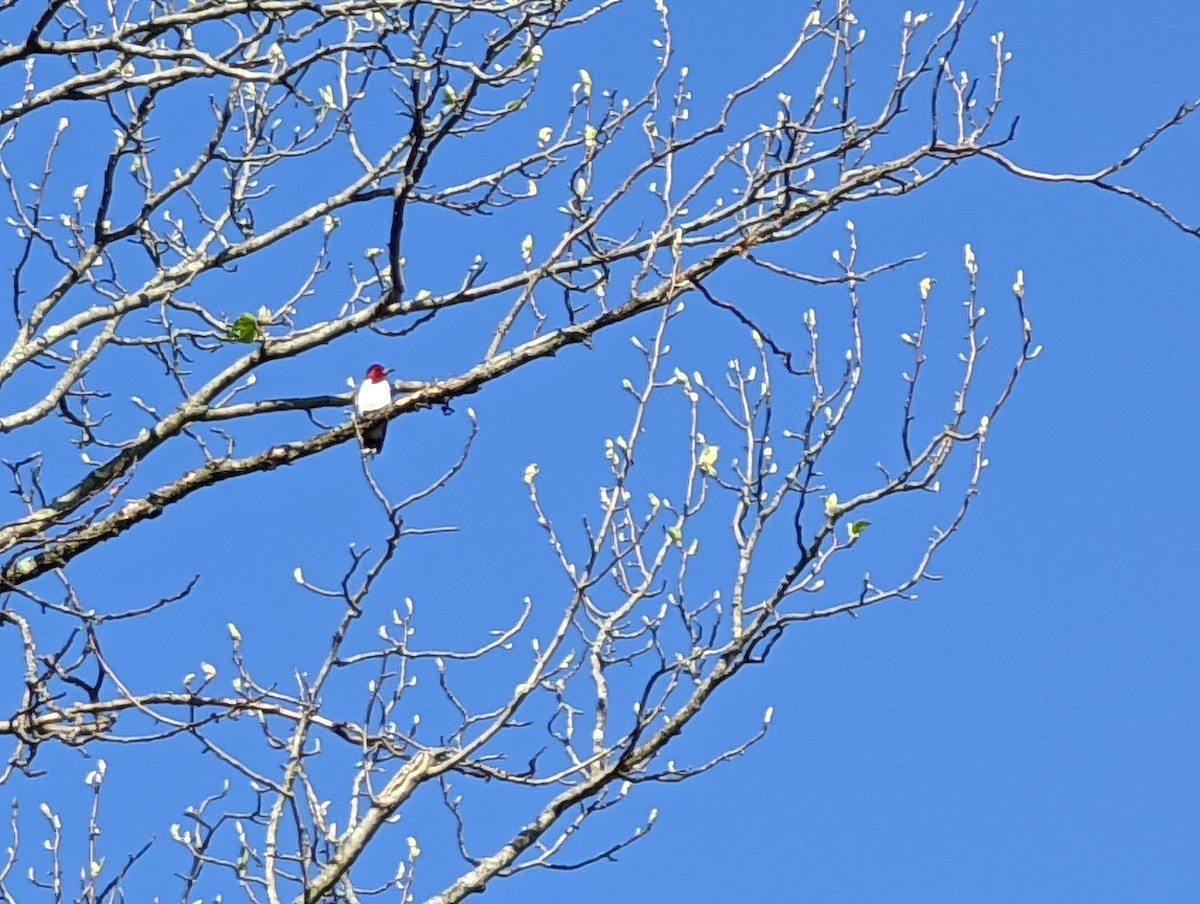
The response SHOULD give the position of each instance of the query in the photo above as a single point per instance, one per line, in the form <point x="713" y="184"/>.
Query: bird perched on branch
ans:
<point x="373" y="393"/>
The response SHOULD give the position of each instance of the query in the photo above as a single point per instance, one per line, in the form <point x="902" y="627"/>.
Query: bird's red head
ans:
<point x="376" y="373"/>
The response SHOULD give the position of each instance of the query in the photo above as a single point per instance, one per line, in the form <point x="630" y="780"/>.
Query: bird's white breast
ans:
<point x="373" y="396"/>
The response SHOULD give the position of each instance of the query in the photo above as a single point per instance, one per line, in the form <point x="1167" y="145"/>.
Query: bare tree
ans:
<point x="159" y="158"/>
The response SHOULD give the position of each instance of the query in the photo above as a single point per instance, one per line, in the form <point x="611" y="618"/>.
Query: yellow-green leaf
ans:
<point x="244" y="329"/>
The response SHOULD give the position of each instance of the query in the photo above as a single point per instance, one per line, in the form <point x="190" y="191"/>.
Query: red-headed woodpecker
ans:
<point x="373" y="393"/>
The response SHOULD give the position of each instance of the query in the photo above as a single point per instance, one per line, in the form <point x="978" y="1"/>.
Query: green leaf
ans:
<point x="708" y="460"/>
<point x="675" y="535"/>
<point x="244" y="329"/>
<point x="856" y="528"/>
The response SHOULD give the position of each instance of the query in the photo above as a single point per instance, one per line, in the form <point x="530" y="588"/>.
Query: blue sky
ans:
<point x="1026" y="730"/>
